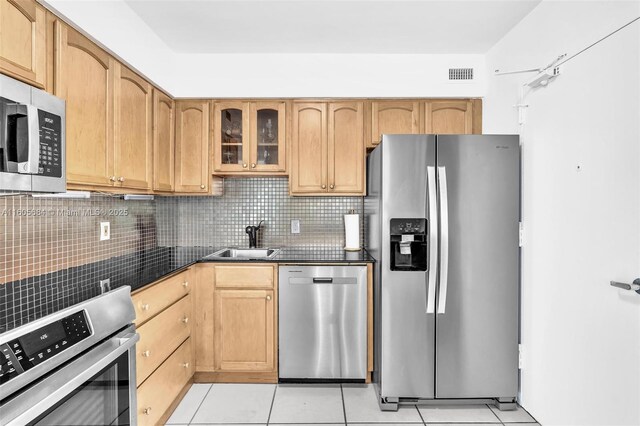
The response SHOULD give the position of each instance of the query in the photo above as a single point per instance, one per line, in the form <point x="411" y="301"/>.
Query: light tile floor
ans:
<point x="263" y="404"/>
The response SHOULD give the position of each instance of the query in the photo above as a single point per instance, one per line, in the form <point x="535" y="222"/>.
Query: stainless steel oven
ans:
<point x="74" y="367"/>
<point x="32" y="139"/>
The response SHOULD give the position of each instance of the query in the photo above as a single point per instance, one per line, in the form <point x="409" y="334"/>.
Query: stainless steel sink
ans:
<point x="244" y="254"/>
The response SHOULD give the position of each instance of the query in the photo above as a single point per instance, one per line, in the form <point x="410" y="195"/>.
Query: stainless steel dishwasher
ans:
<point x="323" y="323"/>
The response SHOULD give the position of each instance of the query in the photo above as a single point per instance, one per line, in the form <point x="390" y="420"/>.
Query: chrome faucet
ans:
<point x="253" y="231"/>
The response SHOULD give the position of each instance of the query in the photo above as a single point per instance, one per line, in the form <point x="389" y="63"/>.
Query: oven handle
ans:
<point x="56" y="387"/>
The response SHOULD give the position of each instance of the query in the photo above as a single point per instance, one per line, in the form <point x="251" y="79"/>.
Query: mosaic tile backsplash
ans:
<point x="221" y="221"/>
<point x="51" y="256"/>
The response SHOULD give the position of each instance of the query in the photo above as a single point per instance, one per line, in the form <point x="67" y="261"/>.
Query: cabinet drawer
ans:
<point x="154" y="299"/>
<point x="244" y="276"/>
<point x="159" y="391"/>
<point x="161" y="335"/>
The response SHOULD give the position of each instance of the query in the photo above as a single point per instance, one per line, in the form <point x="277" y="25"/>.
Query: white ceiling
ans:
<point x="330" y="26"/>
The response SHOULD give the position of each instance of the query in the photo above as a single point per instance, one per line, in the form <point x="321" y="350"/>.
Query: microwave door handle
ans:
<point x="433" y="240"/>
<point x="33" y="156"/>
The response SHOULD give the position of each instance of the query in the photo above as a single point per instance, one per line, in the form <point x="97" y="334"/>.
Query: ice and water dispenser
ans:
<point x="408" y="244"/>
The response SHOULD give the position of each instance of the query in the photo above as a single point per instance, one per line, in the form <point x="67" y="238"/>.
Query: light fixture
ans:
<point x="68" y="194"/>
<point x="138" y="197"/>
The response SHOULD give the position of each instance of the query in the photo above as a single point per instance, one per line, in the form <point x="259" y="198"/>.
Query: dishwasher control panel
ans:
<point x="35" y="347"/>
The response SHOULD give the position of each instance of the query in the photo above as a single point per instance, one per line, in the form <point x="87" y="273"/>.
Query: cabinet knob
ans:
<point x="146" y="354"/>
<point x="145" y="306"/>
<point x="268" y="297"/>
<point x="112" y="178"/>
<point x="121" y="179"/>
<point x="185" y="320"/>
<point x="146" y="411"/>
<point x="244" y="165"/>
<point x="331" y="186"/>
<point x="201" y="186"/>
<point x="253" y="165"/>
<point x="324" y="186"/>
<point x="185" y="284"/>
<point x="185" y="364"/>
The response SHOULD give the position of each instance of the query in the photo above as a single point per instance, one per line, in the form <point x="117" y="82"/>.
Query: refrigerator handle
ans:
<point x="433" y="241"/>
<point x="444" y="239"/>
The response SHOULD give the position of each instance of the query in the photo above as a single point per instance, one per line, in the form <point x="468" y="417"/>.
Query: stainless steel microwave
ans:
<point x="32" y="139"/>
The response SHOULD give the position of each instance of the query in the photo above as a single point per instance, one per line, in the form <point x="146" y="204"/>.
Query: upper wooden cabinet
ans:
<point x="192" y="147"/>
<point x="23" y="41"/>
<point x="394" y="117"/>
<point x="163" y="141"/>
<point x="249" y="137"/>
<point x="346" y="149"/>
<point x="133" y="130"/>
<point x="327" y="149"/>
<point x="85" y="79"/>
<point x="449" y="116"/>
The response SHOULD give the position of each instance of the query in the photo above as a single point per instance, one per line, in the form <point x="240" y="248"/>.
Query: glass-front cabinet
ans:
<point x="249" y="137"/>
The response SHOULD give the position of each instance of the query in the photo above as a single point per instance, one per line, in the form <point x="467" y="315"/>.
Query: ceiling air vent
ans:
<point x="460" y="74"/>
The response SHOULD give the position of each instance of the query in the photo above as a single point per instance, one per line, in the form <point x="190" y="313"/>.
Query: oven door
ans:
<point x="96" y="388"/>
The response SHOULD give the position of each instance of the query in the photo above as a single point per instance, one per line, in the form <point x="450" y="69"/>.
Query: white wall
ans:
<point x="581" y="337"/>
<point x="118" y="28"/>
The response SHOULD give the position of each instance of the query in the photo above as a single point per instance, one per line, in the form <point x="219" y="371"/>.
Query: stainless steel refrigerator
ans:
<point x="442" y="216"/>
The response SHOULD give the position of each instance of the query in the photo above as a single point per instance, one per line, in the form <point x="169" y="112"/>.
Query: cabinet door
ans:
<point x="84" y="78"/>
<point x="346" y="148"/>
<point x="203" y="332"/>
<point x="449" y="117"/>
<point x="192" y="146"/>
<point x="163" y="142"/>
<point x="268" y="130"/>
<point x="394" y="117"/>
<point x="23" y="41"/>
<point x="244" y="330"/>
<point x="133" y="129"/>
<point x="231" y="137"/>
<point x="308" y="173"/>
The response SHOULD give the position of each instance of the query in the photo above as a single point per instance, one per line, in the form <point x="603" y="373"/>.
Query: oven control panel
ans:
<point x="29" y="350"/>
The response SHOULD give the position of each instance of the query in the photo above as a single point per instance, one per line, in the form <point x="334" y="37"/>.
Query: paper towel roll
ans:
<point x="352" y="232"/>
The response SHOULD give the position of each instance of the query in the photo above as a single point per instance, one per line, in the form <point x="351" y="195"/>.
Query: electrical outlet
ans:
<point x="105" y="231"/>
<point x="295" y="226"/>
<point x="105" y="285"/>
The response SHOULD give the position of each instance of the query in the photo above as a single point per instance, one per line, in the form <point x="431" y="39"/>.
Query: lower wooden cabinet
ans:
<point x="236" y="322"/>
<point x="159" y="392"/>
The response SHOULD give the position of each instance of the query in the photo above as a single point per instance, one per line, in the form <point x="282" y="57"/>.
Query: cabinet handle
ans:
<point x="185" y="284"/>
<point x="253" y="165"/>
<point x="112" y="178"/>
<point x="331" y="186"/>
<point x="324" y="186"/>
<point x="244" y="165"/>
<point x="146" y="354"/>
<point x="145" y="306"/>
<point x="185" y="320"/>
<point x="201" y="186"/>
<point x="268" y="297"/>
<point x="147" y="411"/>
<point x="185" y="364"/>
<point x="121" y="179"/>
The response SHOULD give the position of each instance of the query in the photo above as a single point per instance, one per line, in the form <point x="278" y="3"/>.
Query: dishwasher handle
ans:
<point x="322" y="280"/>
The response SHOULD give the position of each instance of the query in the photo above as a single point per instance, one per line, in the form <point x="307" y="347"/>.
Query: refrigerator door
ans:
<point x="477" y="312"/>
<point x="407" y="332"/>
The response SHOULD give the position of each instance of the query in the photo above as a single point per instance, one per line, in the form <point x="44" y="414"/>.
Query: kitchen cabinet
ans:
<point x="327" y="149"/>
<point x="249" y="137"/>
<point x="163" y="141"/>
<point x="85" y="79"/>
<point x="23" y="41"/>
<point x="192" y="147"/>
<point x="164" y="354"/>
<point x="453" y="116"/>
<point x="393" y="117"/>
<point x="236" y="322"/>
<point x="133" y="130"/>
